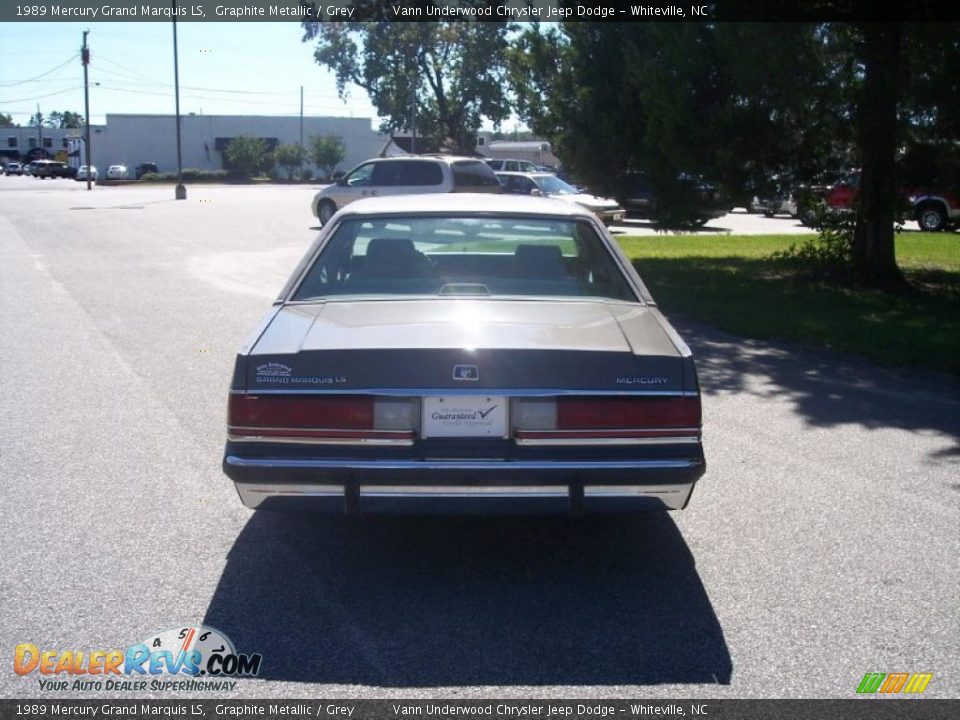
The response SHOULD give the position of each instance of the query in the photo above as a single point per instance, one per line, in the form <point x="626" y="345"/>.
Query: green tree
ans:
<point x="66" y="119"/>
<point x="439" y="79"/>
<point x="738" y="101"/>
<point x="290" y="157"/>
<point x="6" y="121"/>
<point x="327" y="151"/>
<point x="248" y="156"/>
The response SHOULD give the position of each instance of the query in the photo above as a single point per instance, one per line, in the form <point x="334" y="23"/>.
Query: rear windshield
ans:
<point x="473" y="173"/>
<point x="465" y="256"/>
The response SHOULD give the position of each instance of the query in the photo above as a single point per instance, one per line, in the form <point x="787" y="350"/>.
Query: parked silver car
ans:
<point x="549" y="185"/>
<point x="409" y="175"/>
<point x="499" y="165"/>
<point x="464" y="353"/>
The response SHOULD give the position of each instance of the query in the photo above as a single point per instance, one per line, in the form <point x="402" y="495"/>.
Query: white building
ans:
<point x="134" y="139"/>
<point x="17" y="142"/>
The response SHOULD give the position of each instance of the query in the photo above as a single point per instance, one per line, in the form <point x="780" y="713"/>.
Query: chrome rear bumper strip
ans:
<point x="417" y="499"/>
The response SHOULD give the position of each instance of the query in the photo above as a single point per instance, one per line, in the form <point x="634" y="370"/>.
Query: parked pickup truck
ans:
<point x="934" y="208"/>
<point x="51" y="169"/>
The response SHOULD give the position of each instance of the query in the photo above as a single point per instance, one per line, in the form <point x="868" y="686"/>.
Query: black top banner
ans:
<point x="477" y="11"/>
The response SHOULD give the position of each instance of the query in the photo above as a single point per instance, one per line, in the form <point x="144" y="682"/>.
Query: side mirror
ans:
<point x="536" y="193"/>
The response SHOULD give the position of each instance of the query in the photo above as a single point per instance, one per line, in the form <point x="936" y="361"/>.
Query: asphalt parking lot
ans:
<point x="822" y="543"/>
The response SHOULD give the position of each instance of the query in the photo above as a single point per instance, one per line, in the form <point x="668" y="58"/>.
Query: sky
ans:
<point x="240" y="68"/>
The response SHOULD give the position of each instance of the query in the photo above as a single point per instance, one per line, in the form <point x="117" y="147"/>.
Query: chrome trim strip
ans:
<point x="296" y="489"/>
<point x="420" y="392"/>
<point x="632" y="490"/>
<point x="463" y="491"/>
<point x="533" y="442"/>
<point x="379" y="442"/>
<point x="514" y="465"/>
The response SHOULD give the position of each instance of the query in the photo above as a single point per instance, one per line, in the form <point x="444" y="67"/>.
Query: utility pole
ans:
<point x="40" y="130"/>
<point x="85" y="58"/>
<point x="181" y="191"/>
<point x="413" y="124"/>
<point x="301" y="134"/>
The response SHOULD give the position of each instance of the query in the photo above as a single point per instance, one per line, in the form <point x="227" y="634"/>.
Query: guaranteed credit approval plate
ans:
<point x="464" y="416"/>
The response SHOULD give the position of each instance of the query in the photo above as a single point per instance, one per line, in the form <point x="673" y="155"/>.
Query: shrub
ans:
<point x="829" y="253"/>
<point x="327" y="151"/>
<point x="248" y="156"/>
<point x="290" y="157"/>
<point x="192" y="175"/>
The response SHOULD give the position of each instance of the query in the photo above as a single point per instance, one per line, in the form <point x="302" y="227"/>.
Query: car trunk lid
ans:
<point x="465" y="345"/>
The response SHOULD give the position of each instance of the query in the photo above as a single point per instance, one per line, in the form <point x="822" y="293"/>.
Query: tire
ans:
<point x="932" y="218"/>
<point x="808" y="217"/>
<point x="325" y="211"/>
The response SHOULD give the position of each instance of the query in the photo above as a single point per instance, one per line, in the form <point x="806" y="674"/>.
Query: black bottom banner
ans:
<point x="858" y="709"/>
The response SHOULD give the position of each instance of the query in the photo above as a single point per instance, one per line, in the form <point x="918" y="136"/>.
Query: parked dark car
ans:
<point x="145" y="169"/>
<point x="44" y="169"/>
<point x="65" y="171"/>
<point x="687" y="199"/>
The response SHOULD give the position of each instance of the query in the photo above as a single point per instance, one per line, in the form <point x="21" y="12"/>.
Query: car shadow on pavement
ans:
<point x="827" y="388"/>
<point x="422" y="602"/>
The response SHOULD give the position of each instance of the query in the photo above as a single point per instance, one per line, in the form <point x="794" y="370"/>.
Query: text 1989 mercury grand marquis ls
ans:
<point x="464" y="353"/>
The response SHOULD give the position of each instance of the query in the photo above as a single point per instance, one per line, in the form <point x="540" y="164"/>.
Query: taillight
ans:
<point x="570" y="419"/>
<point x="322" y="418"/>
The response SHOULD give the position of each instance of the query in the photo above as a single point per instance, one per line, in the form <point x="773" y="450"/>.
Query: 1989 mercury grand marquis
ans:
<point x="464" y="353"/>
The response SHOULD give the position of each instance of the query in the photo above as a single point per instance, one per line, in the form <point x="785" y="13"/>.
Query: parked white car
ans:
<point x="411" y="175"/>
<point x="82" y="173"/>
<point x="116" y="172"/>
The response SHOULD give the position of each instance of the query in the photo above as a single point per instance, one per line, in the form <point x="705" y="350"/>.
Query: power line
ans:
<point x="24" y="82"/>
<point x="194" y="96"/>
<point x="39" y="97"/>
<point x="143" y="79"/>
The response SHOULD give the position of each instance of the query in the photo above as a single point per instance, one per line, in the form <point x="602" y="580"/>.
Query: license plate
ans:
<point x="464" y="416"/>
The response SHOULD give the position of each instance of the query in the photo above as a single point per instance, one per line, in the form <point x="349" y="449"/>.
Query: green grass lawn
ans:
<point x="731" y="282"/>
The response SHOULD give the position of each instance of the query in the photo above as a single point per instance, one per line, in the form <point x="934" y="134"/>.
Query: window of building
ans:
<point x="32" y="142"/>
<point x="66" y="144"/>
<point x="48" y="142"/>
<point x="11" y="142"/>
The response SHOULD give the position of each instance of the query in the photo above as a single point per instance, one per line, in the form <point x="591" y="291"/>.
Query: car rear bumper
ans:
<point x="613" y="215"/>
<point x="461" y="486"/>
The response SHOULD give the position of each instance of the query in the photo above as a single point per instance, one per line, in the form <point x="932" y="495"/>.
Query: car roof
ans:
<point x="465" y="203"/>
<point x="514" y="173"/>
<point x="442" y="158"/>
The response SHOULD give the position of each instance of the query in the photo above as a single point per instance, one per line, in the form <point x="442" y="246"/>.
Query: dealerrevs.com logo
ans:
<point x="193" y="657"/>
<point x="894" y="683"/>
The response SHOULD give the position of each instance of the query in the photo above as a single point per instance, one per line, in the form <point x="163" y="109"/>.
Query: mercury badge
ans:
<point x="466" y="372"/>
